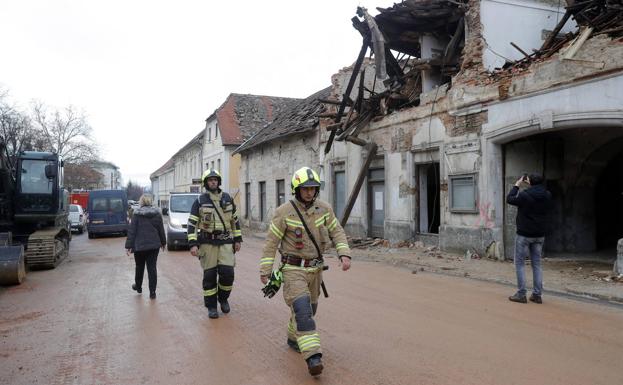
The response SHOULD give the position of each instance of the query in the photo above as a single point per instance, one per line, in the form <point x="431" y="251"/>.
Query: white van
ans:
<point x="179" y="211"/>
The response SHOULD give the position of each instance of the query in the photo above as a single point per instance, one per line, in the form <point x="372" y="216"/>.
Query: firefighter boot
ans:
<point x="314" y="364"/>
<point x="225" y="306"/>
<point x="210" y="303"/>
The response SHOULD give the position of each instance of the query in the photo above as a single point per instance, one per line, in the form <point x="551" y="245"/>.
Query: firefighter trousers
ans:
<point x="217" y="262"/>
<point x="301" y="288"/>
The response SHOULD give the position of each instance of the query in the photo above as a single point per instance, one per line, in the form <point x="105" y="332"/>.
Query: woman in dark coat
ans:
<point x="145" y="236"/>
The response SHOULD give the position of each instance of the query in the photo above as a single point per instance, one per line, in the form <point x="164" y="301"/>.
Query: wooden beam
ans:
<point x="363" y="173"/>
<point x="520" y="50"/>
<point x="351" y="82"/>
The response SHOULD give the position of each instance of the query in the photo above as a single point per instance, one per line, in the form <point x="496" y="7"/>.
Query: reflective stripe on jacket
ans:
<point x="286" y="233"/>
<point x="203" y="218"/>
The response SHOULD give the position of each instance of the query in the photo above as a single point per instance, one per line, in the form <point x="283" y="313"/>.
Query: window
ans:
<point x="262" y="201"/>
<point x="209" y="134"/>
<point x="216" y="131"/>
<point x="281" y="192"/>
<point x="212" y="165"/>
<point x="463" y="193"/>
<point x="247" y="200"/>
<point x="218" y="162"/>
<point x="339" y="192"/>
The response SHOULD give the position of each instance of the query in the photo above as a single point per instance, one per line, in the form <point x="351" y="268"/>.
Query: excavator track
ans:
<point x="46" y="248"/>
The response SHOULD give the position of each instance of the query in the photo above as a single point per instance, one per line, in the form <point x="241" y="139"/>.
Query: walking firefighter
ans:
<point x="301" y="230"/>
<point x="214" y="237"/>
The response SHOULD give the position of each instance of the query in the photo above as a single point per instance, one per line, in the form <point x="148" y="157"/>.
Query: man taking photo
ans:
<point x="533" y="206"/>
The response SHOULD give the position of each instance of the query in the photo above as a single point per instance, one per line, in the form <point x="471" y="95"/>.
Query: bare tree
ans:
<point x="81" y="176"/>
<point x="65" y="132"/>
<point x="15" y="129"/>
<point x="134" y="190"/>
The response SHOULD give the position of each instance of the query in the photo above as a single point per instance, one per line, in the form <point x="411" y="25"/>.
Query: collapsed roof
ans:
<point x="300" y="116"/>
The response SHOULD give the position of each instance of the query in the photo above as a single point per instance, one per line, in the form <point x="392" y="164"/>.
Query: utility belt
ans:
<point x="301" y="262"/>
<point x="216" y="237"/>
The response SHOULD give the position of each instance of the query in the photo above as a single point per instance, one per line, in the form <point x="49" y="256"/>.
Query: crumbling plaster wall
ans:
<point x="270" y="162"/>
<point x="463" y="116"/>
<point x="521" y="22"/>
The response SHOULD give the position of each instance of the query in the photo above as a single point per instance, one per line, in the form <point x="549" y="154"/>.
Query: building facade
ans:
<point x="451" y="146"/>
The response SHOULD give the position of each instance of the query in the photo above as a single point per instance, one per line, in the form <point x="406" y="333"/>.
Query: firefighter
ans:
<point x="214" y="237"/>
<point x="301" y="261"/>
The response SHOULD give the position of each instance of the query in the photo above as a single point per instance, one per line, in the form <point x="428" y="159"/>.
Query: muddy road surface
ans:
<point x="82" y="324"/>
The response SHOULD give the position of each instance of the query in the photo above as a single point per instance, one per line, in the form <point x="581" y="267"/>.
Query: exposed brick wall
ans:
<point x="471" y="66"/>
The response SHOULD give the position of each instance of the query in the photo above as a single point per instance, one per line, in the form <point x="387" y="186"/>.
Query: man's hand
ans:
<point x="237" y="247"/>
<point x="264" y="279"/>
<point x="128" y="252"/>
<point x="344" y="262"/>
<point x="519" y="181"/>
<point x="194" y="250"/>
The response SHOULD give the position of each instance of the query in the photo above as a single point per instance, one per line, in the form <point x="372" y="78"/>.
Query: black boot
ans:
<point x="518" y="298"/>
<point x="212" y="312"/>
<point x="536" y="298"/>
<point x="137" y="289"/>
<point x="225" y="307"/>
<point x="314" y="364"/>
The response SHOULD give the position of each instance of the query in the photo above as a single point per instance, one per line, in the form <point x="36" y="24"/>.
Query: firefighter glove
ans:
<point x="274" y="283"/>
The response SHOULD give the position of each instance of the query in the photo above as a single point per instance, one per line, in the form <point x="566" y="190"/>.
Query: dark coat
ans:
<point x="533" y="209"/>
<point x="146" y="231"/>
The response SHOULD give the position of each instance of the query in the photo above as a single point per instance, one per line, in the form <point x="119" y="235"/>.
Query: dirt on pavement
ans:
<point x="82" y="324"/>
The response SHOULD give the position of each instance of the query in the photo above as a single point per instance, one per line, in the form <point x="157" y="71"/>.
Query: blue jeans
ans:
<point x="525" y="246"/>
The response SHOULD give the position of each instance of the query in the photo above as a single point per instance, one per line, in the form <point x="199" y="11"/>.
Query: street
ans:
<point x="82" y="324"/>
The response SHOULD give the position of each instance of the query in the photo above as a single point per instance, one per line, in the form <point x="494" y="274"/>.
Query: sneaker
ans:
<point x="294" y="345"/>
<point x="137" y="289"/>
<point x="518" y="298"/>
<point x="225" y="307"/>
<point x="212" y="312"/>
<point x="314" y="364"/>
<point x="152" y="295"/>
<point x="536" y="298"/>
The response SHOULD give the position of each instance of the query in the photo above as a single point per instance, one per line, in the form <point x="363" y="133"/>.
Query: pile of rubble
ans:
<point x="593" y="17"/>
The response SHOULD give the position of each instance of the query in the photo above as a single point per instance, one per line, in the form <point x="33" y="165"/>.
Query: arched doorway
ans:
<point x="583" y="168"/>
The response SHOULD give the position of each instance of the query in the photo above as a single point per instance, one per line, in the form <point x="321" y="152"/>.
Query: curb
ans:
<point x="568" y="293"/>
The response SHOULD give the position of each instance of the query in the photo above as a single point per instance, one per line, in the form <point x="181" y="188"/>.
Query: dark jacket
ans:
<point x="533" y="208"/>
<point x="146" y="231"/>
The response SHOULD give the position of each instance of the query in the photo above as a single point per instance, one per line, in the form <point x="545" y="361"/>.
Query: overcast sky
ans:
<point x="148" y="73"/>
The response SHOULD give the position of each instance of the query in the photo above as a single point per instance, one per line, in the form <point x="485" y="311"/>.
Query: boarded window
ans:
<point x="339" y="192"/>
<point x="262" y="201"/>
<point x="281" y="192"/>
<point x="247" y="200"/>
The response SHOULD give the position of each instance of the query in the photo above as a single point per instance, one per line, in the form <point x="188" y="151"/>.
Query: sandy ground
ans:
<point x="82" y="324"/>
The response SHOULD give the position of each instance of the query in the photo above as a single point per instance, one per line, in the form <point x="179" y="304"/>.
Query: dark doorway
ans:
<point x="609" y="204"/>
<point x="427" y="176"/>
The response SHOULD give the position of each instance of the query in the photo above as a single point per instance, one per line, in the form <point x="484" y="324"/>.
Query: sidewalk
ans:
<point x="586" y="279"/>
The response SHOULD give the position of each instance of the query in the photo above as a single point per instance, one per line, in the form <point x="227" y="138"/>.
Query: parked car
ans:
<point x="77" y="218"/>
<point x="179" y="211"/>
<point x="108" y="212"/>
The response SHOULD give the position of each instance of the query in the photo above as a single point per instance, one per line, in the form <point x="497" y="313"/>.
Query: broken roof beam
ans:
<point x="363" y="172"/>
<point x="349" y="88"/>
<point x="550" y="39"/>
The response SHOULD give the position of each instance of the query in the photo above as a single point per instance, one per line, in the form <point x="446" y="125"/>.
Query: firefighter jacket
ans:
<point x="205" y="225"/>
<point x="287" y="233"/>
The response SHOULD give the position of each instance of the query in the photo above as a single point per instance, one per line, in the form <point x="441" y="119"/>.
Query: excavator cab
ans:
<point x="34" y="225"/>
<point x="39" y="197"/>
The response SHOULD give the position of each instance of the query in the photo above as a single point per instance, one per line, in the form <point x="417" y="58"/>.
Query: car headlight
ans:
<point x="175" y="223"/>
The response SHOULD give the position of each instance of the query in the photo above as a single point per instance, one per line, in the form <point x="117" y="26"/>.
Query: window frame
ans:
<point x="283" y="184"/>
<point x="262" y="197"/>
<point x="451" y="180"/>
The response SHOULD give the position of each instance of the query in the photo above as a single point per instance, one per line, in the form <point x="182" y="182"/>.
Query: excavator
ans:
<point x="34" y="208"/>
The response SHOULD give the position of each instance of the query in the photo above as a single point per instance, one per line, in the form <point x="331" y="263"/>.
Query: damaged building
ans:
<point x="466" y="96"/>
<point x="270" y="157"/>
